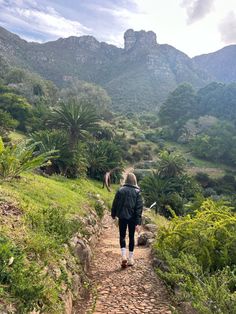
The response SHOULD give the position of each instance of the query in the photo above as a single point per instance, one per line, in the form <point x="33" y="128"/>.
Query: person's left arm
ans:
<point x="138" y="209"/>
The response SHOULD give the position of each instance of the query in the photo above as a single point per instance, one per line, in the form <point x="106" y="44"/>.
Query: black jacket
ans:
<point x="128" y="204"/>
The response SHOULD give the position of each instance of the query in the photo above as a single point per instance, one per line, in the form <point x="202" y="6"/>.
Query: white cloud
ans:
<point x="197" y="9"/>
<point x="50" y="22"/>
<point x="169" y="21"/>
<point x="46" y="21"/>
<point x="227" y="28"/>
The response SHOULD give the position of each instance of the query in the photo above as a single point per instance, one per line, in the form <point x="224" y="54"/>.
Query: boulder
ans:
<point x="144" y="237"/>
<point x="151" y="227"/>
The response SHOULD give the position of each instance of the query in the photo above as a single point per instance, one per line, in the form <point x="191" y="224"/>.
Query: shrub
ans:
<point x="99" y="208"/>
<point x="19" y="158"/>
<point x="168" y="193"/>
<point x="20" y="278"/>
<point x="103" y="156"/>
<point x="133" y="141"/>
<point x="200" y="254"/>
<point x="209" y="192"/>
<point x="209" y="235"/>
<point x="71" y="163"/>
<point x="208" y="293"/>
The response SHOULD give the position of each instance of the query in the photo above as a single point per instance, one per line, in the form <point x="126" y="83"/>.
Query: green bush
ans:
<point x="210" y="235"/>
<point x="21" y="279"/>
<point x="168" y="193"/>
<point x="208" y="293"/>
<point x="99" y="208"/>
<point x="19" y="158"/>
<point x="70" y="163"/>
<point x="103" y="156"/>
<point x="200" y="255"/>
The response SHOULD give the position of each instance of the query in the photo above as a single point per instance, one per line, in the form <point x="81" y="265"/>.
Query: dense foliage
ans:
<point x="32" y="105"/>
<point x="22" y="280"/>
<point x="218" y="143"/>
<point x="200" y="253"/>
<point x="204" y="119"/>
<point x="18" y="158"/>
<point x="169" y="187"/>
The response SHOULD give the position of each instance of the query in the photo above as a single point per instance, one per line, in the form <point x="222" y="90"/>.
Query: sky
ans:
<point x="192" y="26"/>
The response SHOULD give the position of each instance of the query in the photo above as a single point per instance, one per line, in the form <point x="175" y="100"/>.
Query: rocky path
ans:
<point x="132" y="290"/>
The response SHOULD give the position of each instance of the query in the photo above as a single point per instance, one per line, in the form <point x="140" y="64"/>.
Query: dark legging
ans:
<point x="123" y="223"/>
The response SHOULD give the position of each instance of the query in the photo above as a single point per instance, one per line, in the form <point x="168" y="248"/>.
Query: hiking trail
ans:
<point x="131" y="290"/>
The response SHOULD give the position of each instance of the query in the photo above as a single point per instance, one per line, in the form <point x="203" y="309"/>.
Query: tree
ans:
<point x="66" y="162"/>
<point x="219" y="100"/>
<point x="18" y="107"/>
<point x="76" y="119"/>
<point x="157" y="189"/>
<point x="168" y="186"/>
<point x="82" y="91"/>
<point x="41" y="113"/>
<point x="168" y="193"/>
<point x="102" y="157"/>
<point x="7" y="123"/>
<point x="170" y="165"/>
<point x="217" y="144"/>
<point x="15" y="75"/>
<point x="178" y="108"/>
<point x="4" y="68"/>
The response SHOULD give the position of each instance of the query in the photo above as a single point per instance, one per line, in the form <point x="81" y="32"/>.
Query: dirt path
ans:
<point x="132" y="290"/>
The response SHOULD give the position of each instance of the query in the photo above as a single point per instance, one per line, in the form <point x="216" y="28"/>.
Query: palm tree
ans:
<point x="77" y="119"/>
<point x="157" y="189"/>
<point x="170" y="165"/>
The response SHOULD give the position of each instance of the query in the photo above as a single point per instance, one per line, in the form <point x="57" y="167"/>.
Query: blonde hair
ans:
<point x="131" y="179"/>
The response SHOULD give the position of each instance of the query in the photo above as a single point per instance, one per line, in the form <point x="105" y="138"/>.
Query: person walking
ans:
<point x="128" y="206"/>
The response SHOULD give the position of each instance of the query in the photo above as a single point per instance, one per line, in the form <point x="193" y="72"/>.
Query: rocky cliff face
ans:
<point x="138" y="77"/>
<point x="140" y="39"/>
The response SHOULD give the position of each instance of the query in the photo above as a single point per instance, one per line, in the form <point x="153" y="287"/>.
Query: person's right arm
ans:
<point x="139" y="209"/>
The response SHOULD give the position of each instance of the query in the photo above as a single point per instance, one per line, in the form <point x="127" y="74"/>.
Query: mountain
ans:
<point x="220" y="64"/>
<point x="137" y="77"/>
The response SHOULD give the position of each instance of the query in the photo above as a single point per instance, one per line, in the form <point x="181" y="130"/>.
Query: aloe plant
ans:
<point x="22" y="157"/>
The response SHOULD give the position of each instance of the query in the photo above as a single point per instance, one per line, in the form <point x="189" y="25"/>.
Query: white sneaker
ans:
<point x="124" y="262"/>
<point x="131" y="261"/>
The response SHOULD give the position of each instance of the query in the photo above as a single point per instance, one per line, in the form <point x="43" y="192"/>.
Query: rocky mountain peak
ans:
<point x="88" y="42"/>
<point x="141" y="39"/>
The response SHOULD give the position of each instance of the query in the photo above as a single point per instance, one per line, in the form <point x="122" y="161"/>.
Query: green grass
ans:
<point x="42" y="199"/>
<point x="37" y="191"/>
<point x="40" y="230"/>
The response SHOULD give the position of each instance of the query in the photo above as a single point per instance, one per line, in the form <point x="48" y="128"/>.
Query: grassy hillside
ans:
<point x="38" y="216"/>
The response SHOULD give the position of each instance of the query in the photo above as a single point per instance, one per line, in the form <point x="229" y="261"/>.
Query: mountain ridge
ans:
<point x="220" y="64"/>
<point x="138" y="76"/>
